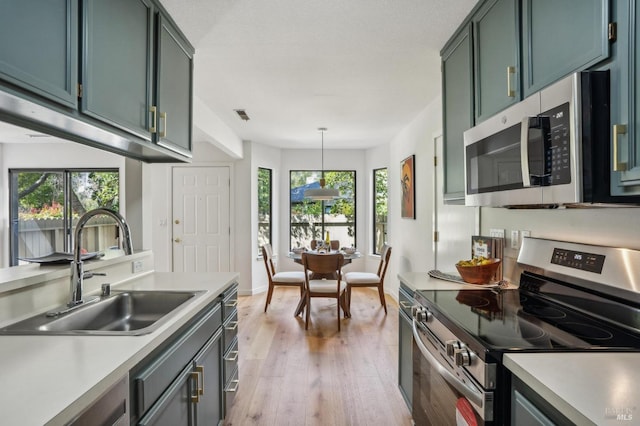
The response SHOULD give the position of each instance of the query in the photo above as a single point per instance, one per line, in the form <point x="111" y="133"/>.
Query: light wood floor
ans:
<point x="289" y="376"/>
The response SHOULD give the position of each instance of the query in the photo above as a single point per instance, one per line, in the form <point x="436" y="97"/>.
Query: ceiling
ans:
<point x="362" y="68"/>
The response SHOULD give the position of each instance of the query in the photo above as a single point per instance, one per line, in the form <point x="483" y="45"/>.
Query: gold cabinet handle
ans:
<point x="163" y="117"/>
<point x="233" y="355"/>
<point x="510" y="92"/>
<point x="405" y="305"/>
<point x="200" y="370"/>
<point x="234" y="388"/>
<point x="232" y="327"/>
<point x="154" y="119"/>
<point x="232" y="304"/>
<point x="618" y="129"/>
<point x="195" y="397"/>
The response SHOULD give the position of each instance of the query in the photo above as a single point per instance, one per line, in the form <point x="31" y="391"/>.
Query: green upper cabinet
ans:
<point x="174" y="83"/>
<point x="496" y="55"/>
<point x="117" y="63"/>
<point x="625" y="100"/>
<point x="559" y="37"/>
<point x="38" y="51"/>
<point x="457" y="100"/>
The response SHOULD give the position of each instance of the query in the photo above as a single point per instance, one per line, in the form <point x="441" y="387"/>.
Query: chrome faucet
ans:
<point x="77" y="267"/>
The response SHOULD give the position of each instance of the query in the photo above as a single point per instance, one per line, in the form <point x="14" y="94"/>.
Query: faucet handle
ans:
<point x="90" y="274"/>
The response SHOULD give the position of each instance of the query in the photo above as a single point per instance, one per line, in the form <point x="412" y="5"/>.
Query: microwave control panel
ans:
<point x="557" y="146"/>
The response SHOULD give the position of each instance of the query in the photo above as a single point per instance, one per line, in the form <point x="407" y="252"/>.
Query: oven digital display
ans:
<point x="578" y="260"/>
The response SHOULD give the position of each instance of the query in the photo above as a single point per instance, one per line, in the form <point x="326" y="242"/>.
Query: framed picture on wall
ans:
<point x="407" y="182"/>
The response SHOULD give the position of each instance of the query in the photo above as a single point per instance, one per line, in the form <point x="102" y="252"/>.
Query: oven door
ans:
<point x="442" y="394"/>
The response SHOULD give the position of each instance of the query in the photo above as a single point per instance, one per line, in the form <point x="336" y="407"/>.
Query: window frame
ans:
<point x="322" y="173"/>
<point x="375" y="209"/>
<point x="67" y="217"/>
<point x="270" y="233"/>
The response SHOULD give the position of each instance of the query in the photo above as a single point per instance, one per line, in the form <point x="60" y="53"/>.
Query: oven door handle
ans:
<point x="473" y="395"/>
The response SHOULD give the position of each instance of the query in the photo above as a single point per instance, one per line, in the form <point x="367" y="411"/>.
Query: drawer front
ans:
<point x="152" y="380"/>
<point x="230" y="360"/>
<point x="230" y="330"/>
<point x="229" y="392"/>
<point x="229" y="300"/>
<point x="405" y="300"/>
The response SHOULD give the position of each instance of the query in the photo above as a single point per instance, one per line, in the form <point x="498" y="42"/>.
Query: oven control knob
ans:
<point x="421" y="314"/>
<point x="462" y="357"/>
<point x="452" y="346"/>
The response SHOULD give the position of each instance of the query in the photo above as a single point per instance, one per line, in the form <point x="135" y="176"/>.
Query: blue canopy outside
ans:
<point x="297" y="193"/>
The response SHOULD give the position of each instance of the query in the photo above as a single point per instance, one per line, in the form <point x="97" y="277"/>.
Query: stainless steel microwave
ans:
<point x="551" y="148"/>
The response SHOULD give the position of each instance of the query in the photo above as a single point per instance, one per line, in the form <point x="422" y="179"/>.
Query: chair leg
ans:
<point x="382" y="299"/>
<point x="338" y="305"/>
<point x="308" y="309"/>
<point x="269" y="294"/>
<point x="345" y="306"/>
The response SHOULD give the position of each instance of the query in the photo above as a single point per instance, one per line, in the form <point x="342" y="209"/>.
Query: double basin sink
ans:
<point x="121" y="313"/>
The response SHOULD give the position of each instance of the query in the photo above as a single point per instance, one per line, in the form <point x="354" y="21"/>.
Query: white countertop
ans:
<point x="586" y="387"/>
<point x="50" y="379"/>
<point x="422" y="281"/>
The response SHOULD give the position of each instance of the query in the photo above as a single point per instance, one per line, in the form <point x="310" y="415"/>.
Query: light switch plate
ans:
<point x="136" y="266"/>
<point x="515" y="240"/>
<point x="496" y="233"/>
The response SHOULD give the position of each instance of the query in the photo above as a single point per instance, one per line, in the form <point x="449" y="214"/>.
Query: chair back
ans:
<point x="323" y="264"/>
<point x="384" y="261"/>
<point x="267" y="256"/>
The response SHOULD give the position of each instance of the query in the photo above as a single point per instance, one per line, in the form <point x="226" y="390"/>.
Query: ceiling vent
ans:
<point x="242" y="114"/>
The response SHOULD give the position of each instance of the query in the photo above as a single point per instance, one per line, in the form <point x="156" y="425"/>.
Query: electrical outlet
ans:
<point x="524" y="234"/>
<point x="515" y="240"/>
<point x="137" y="266"/>
<point x="496" y="233"/>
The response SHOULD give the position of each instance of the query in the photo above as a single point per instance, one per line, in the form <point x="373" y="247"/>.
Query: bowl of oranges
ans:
<point x="479" y="270"/>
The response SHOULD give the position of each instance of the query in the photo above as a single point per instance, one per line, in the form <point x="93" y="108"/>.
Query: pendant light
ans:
<point x="322" y="193"/>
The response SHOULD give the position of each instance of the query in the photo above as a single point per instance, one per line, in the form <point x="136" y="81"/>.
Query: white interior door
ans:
<point x="201" y="228"/>
<point x="455" y="224"/>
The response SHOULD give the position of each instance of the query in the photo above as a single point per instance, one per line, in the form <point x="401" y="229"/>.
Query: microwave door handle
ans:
<point x="524" y="152"/>
<point x="473" y="395"/>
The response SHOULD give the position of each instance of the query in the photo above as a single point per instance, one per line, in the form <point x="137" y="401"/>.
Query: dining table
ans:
<point x="297" y="257"/>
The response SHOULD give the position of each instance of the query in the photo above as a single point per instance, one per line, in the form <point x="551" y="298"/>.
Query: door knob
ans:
<point x="177" y="240"/>
<point x="177" y="221"/>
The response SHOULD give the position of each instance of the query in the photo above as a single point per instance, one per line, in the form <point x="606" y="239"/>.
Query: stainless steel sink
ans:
<point x="121" y="313"/>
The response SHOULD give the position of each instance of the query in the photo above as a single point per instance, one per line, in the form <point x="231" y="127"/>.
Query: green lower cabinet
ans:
<point x="560" y="37"/>
<point x="207" y="368"/>
<point x="117" y="63"/>
<point x="457" y="105"/>
<point x="174" y="408"/>
<point x="39" y="48"/>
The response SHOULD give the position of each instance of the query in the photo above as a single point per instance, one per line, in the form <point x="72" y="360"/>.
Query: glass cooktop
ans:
<point x="540" y="315"/>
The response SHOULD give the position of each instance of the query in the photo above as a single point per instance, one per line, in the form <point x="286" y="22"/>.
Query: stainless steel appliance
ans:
<point x="571" y="297"/>
<point x="551" y="148"/>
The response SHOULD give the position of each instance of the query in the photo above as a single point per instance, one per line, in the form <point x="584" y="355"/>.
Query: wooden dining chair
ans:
<point x="335" y="244"/>
<point x="369" y="279"/>
<point x="288" y="278"/>
<point x="324" y="264"/>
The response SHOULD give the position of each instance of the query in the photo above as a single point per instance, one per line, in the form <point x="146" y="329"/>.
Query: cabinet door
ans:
<point x="175" y="407"/>
<point x="38" y="51"/>
<point x="457" y="100"/>
<point x="116" y="64"/>
<point x="560" y="37"/>
<point x="174" y="63"/>
<point x="208" y="366"/>
<point x="497" y="78"/>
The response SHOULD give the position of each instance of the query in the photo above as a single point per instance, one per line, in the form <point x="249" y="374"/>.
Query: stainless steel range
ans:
<point x="571" y="297"/>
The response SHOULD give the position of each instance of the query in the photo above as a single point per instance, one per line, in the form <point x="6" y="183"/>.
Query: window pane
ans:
<point x="264" y="207"/>
<point x="312" y="219"/>
<point x="45" y="204"/>
<point x="90" y="190"/>
<point x="37" y="214"/>
<point x="380" y="199"/>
